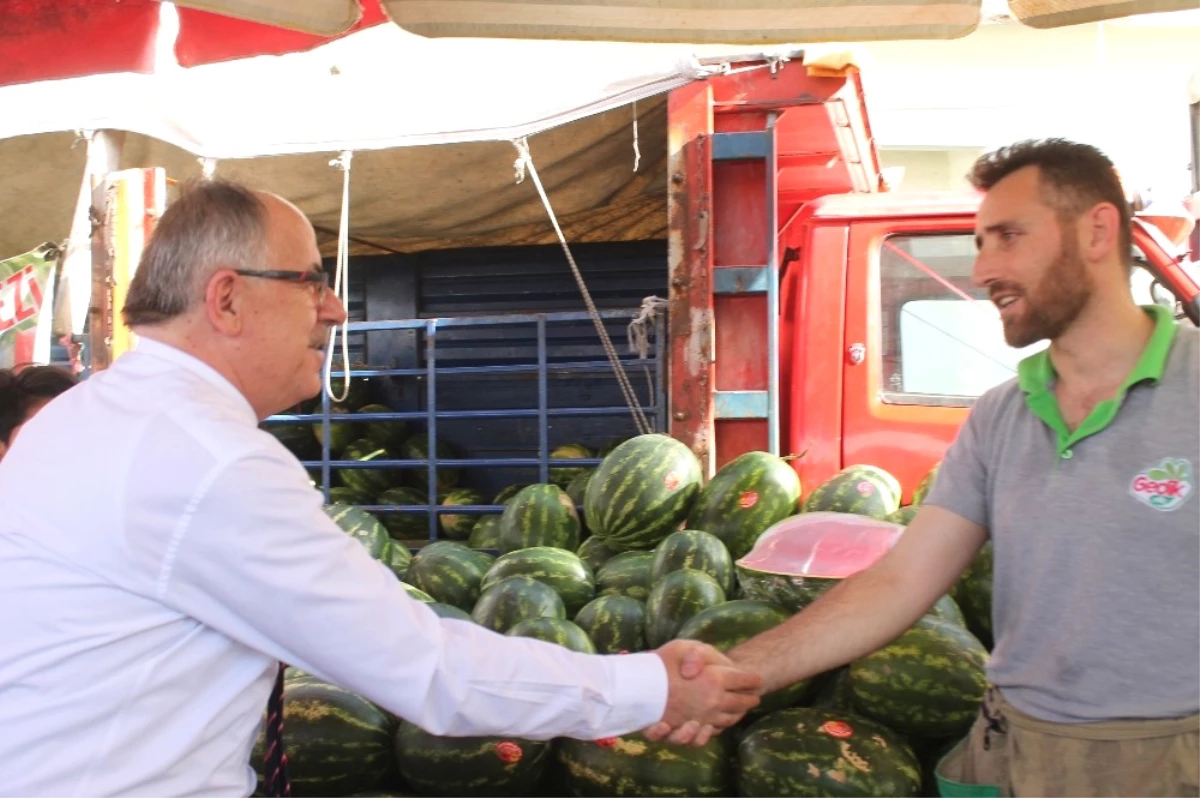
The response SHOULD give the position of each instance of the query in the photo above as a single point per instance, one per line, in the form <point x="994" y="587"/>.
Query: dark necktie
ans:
<point x="275" y="775"/>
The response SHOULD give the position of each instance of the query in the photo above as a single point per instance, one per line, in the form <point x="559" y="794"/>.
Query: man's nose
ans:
<point x="984" y="270"/>
<point x="332" y="309"/>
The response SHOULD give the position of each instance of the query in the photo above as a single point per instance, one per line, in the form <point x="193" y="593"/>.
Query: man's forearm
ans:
<point x="856" y="617"/>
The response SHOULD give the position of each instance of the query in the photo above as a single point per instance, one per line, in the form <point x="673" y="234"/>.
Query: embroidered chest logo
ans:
<point x="1166" y="485"/>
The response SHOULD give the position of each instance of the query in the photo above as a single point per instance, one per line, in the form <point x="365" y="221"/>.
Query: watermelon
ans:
<point x="298" y="439"/>
<point x="417" y="448"/>
<point x="904" y="515"/>
<point x="562" y="475"/>
<point x="675" y="599"/>
<point x="728" y="625"/>
<point x="450" y="611"/>
<point x="539" y="515"/>
<point x="595" y="552"/>
<point x="399" y="558"/>
<point x="627" y="574"/>
<point x="801" y="557"/>
<point x="616" y="624"/>
<point x="577" y="488"/>
<point x="928" y="682"/>
<point x="450" y="572"/>
<point x="831" y="690"/>
<point x="458" y="527"/>
<point x="925" y="485"/>
<point x="486" y="533"/>
<point x="642" y="491"/>
<point x="390" y="434"/>
<point x="860" y="489"/>
<point x="337" y="743"/>
<point x="362" y="526"/>
<point x="341" y="495"/>
<point x="341" y="433"/>
<point x="820" y="752"/>
<point x="469" y="766"/>
<point x="562" y="570"/>
<point x="508" y="602"/>
<point x="947" y="609"/>
<point x="369" y="481"/>
<point x="507" y="493"/>
<point x="973" y="593"/>
<point x="360" y="389"/>
<point x="700" y="551"/>
<point x="555" y="630"/>
<point x="744" y="499"/>
<point x="405" y="526"/>
<point x="631" y="765"/>
<point x="417" y="593"/>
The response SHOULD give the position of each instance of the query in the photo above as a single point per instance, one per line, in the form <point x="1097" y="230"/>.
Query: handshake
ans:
<point x="706" y="692"/>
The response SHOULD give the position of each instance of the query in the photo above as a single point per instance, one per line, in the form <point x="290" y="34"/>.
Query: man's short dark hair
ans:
<point x="1073" y="178"/>
<point x="20" y="389"/>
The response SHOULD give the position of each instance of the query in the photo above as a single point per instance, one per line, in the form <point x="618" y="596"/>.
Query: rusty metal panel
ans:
<point x="690" y="254"/>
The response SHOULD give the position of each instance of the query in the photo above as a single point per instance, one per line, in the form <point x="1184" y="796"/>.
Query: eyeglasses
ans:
<point x="314" y="277"/>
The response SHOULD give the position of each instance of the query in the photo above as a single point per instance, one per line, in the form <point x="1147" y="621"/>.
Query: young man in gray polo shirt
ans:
<point x="1082" y="472"/>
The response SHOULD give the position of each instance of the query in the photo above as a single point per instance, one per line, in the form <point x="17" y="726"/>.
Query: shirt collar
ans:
<point x="1035" y="374"/>
<point x="162" y="351"/>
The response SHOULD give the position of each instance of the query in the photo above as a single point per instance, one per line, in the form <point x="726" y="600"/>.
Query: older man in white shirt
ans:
<point x="149" y="590"/>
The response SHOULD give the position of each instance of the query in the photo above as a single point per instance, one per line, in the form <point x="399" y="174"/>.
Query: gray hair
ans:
<point x="213" y="224"/>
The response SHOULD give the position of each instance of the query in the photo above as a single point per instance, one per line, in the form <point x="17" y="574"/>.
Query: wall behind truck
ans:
<point x="493" y="282"/>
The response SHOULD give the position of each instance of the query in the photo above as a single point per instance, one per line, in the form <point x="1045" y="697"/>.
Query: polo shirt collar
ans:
<point x="177" y="357"/>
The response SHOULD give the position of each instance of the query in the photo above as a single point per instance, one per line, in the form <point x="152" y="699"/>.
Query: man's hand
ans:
<point x="706" y="693"/>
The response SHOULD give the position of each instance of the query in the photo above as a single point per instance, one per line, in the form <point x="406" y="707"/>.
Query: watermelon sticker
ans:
<point x="838" y="729"/>
<point x="865" y="488"/>
<point x="748" y="500"/>
<point x="509" y="752"/>
<point x="672" y="481"/>
<point x="606" y="742"/>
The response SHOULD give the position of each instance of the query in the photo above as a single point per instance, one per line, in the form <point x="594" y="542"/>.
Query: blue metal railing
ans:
<point x="543" y="367"/>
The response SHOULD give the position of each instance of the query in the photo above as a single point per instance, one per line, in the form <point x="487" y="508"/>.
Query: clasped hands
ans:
<point x="706" y="693"/>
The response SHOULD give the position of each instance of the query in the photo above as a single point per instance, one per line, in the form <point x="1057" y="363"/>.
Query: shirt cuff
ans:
<point x="640" y="695"/>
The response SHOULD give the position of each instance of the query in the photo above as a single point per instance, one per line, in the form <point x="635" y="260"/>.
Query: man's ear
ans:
<point x="224" y="302"/>
<point x="1101" y="231"/>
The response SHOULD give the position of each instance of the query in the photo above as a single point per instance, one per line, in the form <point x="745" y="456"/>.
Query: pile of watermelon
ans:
<point x="655" y="555"/>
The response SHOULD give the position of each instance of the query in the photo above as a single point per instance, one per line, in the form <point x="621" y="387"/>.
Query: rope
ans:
<point x="524" y="163"/>
<point x="341" y="284"/>
<point x="639" y="338"/>
<point x="637" y="152"/>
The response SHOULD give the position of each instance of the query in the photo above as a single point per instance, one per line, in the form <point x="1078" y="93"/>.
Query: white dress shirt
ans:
<point x="160" y="554"/>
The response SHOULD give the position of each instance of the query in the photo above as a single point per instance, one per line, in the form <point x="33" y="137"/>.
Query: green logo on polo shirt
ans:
<point x="1164" y="486"/>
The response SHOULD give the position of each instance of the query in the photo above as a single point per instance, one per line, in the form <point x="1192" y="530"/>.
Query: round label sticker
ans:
<point x="509" y="752"/>
<point x="866" y="488"/>
<point x="748" y="500"/>
<point x="606" y="742"/>
<point x="671" y="482"/>
<point x="837" y="728"/>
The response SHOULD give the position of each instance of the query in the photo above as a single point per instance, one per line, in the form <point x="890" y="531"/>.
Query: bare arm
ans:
<point x="869" y="609"/>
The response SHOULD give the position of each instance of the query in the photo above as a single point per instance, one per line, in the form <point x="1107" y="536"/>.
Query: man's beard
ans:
<point x="1054" y="304"/>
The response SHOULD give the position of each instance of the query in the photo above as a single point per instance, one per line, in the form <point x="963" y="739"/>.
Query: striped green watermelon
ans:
<point x="338" y="743"/>
<point x="450" y="572"/>
<point x="728" y="625"/>
<point x="562" y="570"/>
<point x="405" y="526"/>
<point x="343" y="495"/>
<point x="372" y="481"/>
<point x="631" y="765"/>
<point x="928" y="682"/>
<point x="390" y="434"/>
<point x="508" y="602"/>
<point x="562" y="475"/>
<point x="947" y="609"/>
<point x="832" y="691"/>
<point x="555" y="630"/>
<point x="925" y="485"/>
<point x="801" y="557"/>
<point x="700" y="551"/>
<point x="819" y="752"/>
<point x="746" y="496"/>
<point x="595" y="552"/>
<point x="507" y="493"/>
<point x="577" y="488"/>
<point x="627" y="574"/>
<point x="616" y="624"/>
<point x="973" y="593"/>
<point x="450" y="611"/>
<point x="486" y="533"/>
<point x="362" y="526"/>
<point x="341" y="433"/>
<point x="298" y="439"/>
<point x="469" y="766"/>
<point x="675" y="599"/>
<point x="458" y="527"/>
<point x="904" y="515"/>
<point x="642" y="491"/>
<point x="539" y="515"/>
<point x="417" y="448"/>
<point x="417" y="593"/>
<point x="399" y="558"/>
<point x="860" y="489"/>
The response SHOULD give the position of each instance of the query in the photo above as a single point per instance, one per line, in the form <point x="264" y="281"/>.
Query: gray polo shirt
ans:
<point x="1096" y="531"/>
